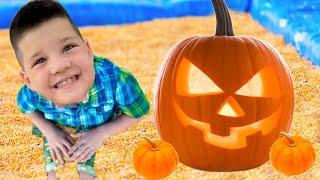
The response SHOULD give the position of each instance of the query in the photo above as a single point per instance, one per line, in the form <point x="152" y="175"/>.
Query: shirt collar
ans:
<point x="84" y="101"/>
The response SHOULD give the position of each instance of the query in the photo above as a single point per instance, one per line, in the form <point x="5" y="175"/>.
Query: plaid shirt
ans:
<point x="114" y="91"/>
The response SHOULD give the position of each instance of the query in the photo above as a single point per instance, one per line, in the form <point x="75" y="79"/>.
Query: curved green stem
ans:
<point x="154" y="146"/>
<point x="224" y="23"/>
<point x="289" y="137"/>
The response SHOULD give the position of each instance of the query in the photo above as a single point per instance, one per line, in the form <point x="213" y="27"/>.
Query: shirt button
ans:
<point x="58" y="116"/>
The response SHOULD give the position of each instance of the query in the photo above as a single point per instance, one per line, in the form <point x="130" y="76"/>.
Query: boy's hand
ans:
<point x="87" y="145"/>
<point x="59" y="144"/>
<point x="90" y="141"/>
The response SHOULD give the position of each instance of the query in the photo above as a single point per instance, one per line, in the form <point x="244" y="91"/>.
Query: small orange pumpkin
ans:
<point x="155" y="160"/>
<point x="292" y="155"/>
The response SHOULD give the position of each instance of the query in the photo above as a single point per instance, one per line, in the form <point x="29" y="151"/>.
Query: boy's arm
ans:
<point x="37" y="119"/>
<point x="132" y="102"/>
<point x="59" y="142"/>
<point x="91" y="140"/>
<point x="122" y="123"/>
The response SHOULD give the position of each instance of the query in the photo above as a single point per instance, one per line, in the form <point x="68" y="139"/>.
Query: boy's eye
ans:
<point x="68" y="47"/>
<point x="39" y="61"/>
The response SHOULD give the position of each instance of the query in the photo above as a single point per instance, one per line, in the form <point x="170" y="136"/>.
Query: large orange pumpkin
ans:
<point x="292" y="155"/>
<point x="222" y="100"/>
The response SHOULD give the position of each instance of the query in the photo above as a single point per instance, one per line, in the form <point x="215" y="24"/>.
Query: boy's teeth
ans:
<point x="70" y="80"/>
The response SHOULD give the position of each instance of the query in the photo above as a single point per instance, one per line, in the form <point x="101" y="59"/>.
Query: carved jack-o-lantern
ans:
<point x="222" y="100"/>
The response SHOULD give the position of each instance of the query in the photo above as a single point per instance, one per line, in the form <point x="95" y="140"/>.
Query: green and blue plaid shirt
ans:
<point x="114" y="91"/>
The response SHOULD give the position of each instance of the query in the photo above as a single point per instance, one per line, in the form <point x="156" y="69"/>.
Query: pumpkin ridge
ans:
<point x="139" y="164"/>
<point x="302" y="161"/>
<point x="244" y="40"/>
<point x="167" y="161"/>
<point x="296" y="157"/>
<point x="299" y="140"/>
<point x="277" y="153"/>
<point x="173" y="154"/>
<point x="285" y="67"/>
<point x="285" y="157"/>
<point x="191" y="48"/>
<point x="161" y="165"/>
<point x="169" y="148"/>
<point x="311" y="149"/>
<point x="186" y="48"/>
<point x="148" y="164"/>
<point x="304" y="151"/>
<point x="162" y="71"/>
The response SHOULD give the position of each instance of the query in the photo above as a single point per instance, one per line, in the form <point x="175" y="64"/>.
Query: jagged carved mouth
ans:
<point x="237" y="137"/>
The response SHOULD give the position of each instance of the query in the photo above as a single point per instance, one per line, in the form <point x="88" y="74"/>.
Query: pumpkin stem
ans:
<point x="289" y="137"/>
<point x="224" y="24"/>
<point x="154" y="146"/>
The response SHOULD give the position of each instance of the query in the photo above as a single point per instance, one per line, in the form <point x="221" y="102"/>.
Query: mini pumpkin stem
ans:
<point x="289" y="137"/>
<point x="154" y="146"/>
<point x="224" y="24"/>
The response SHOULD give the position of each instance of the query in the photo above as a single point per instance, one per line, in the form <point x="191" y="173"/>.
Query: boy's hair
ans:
<point x="31" y="16"/>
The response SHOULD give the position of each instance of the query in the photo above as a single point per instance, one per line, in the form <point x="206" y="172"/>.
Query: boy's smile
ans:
<point x="58" y="64"/>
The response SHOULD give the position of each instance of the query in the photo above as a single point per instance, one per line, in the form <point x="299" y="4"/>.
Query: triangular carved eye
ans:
<point x="191" y="81"/>
<point x="200" y="83"/>
<point x="262" y="84"/>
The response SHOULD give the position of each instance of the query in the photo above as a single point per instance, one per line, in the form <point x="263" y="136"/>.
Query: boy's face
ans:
<point x="58" y="64"/>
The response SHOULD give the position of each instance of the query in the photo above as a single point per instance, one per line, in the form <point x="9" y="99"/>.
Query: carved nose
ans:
<point x="231" y="108"/>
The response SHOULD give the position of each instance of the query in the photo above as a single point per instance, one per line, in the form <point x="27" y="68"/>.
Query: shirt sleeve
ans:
<point x="26" y="100"/>
<point x="129" y="96"/>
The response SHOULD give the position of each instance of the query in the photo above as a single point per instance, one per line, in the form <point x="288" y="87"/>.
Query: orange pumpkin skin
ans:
<point x="292" y="158"/>
<point x="203" y="138"/>
<point x="155" y="160"/>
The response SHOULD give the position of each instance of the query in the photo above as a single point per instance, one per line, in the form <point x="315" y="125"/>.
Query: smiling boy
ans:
<point x="66" y="86"/>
